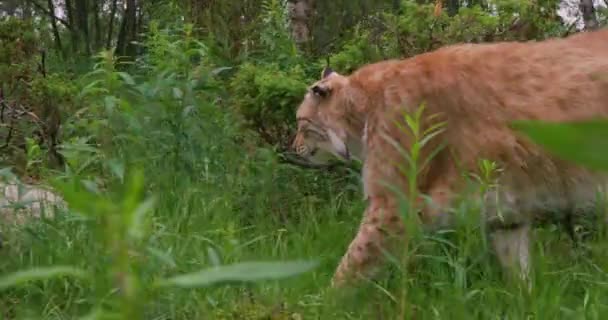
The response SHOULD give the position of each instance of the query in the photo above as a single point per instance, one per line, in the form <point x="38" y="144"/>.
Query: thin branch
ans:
<point x="48" y="12"/>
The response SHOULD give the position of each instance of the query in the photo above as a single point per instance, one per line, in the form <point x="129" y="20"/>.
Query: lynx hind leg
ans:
<point x="380" y="229"/>
<point x="587" y="218"/>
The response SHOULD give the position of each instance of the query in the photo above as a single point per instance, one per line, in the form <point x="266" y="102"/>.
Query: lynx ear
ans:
<point x="321" y="90"/>
<point x="326" y="72"/>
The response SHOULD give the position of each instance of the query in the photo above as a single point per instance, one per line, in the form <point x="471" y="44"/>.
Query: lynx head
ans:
<point x="325" y="129"/>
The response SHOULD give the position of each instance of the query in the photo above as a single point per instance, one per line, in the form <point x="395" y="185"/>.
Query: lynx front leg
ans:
<point x="509" y="229"/>
<point x="512" y="246"/>
<point x="380" y="230"/>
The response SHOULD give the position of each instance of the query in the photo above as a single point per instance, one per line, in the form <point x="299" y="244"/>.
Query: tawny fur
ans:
<point x="478" y="89"/>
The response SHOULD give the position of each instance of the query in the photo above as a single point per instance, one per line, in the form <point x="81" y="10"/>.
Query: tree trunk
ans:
<point x="111" y="25"/>
<point x="127" y="33"/>
<point x="453" y="7"/>
<point x="55" y="30"/>
<point x="82" y="17"/>
<point x="138" y="24"/>
<point x="69" y="9"/>
<point x="97" y="42"/>
<point x="300" y="13"/>
<point x="196" y="11"/>
<point x="588" y="12"/>
<point x="396" y="6"/>
<point x="26" y="11"/>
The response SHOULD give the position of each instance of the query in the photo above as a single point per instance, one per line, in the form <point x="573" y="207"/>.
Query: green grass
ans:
<point x="194" y="223"/>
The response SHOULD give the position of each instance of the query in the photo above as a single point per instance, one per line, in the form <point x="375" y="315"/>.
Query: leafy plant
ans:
<point x="30" y="99"/>
<point x="266" y="97"/>
<point x="582" y="142"/>
<point x="124" y="219"/>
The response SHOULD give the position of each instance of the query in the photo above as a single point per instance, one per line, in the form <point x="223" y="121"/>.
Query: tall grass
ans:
<point x="197" y="225"/>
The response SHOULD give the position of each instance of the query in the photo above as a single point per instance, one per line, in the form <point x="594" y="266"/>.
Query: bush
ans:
<point x="417" y="29"/>
<point x="267" y="97"/>
<point x="356" y="52"/>
<point x="31" y="100"/>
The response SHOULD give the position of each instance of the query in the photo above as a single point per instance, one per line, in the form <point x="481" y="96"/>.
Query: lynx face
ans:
<point x="322" y="135"/>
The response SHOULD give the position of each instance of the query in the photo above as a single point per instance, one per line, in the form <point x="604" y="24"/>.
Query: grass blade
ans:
<point x="240" y="272"/>
<point x="34" y="274"/>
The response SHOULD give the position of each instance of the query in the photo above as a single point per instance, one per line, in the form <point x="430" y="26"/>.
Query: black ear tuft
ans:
<point x="320" y="91"/>
<point x="326" y="72"/>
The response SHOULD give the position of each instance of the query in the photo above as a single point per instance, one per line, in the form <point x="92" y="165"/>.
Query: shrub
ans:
<point x="356" y="52"/>
<point x="267" y="96"/>
<point x="417" y="29"/>
<point x="30" y="99"/>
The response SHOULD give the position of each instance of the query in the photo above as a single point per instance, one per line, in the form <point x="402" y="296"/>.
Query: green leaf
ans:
<point x="131" y="199"/>
<point x="178" y="93"/>
<point x="126" y="78"/>
<point x="137" y="223"/>
<point x="79" y="199"/>
<point x="163" y="257"/>
<point x="219" y="70"/>
<point x="92" y="88"/>
<point x="7" y="173"/>
<point x="117" y="168"/>
<point x="20" y="277"/>
<point x="94" y="314"/>
<point x="240" y="272"/>
<point x="110" y="102"/>
<point x="582" y="142"/>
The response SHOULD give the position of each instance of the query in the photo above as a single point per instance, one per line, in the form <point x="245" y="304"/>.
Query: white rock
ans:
<point x="19" y="201"/>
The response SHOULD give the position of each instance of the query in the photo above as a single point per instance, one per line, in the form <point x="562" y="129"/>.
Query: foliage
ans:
<point x="266" y="96"/>
<point x="18" y="66"/>
<point x="29" y="99"/>
<point x="18" y="41"/>
<point x="124" y="231"/>
<point x="417" y="29"/>
<point x="24" y="276"/>
<point x="160" y="118"/>
<point x="355" y="53"/>
<point x="274" y="36"/>
<point x="582" y="142"/>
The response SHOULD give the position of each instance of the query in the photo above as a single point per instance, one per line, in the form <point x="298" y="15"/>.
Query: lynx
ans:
<point x="477" y="90"/>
